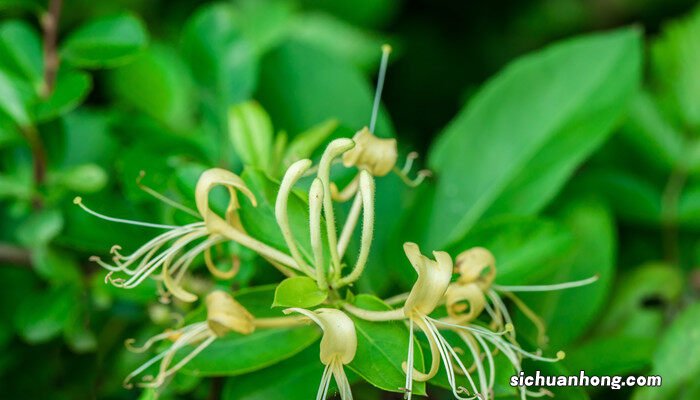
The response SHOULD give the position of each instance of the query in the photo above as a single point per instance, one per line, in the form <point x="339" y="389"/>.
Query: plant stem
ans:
<point x="49" y="23"/>
<point x="669" y="214"/>
<point x="14" y="255"/>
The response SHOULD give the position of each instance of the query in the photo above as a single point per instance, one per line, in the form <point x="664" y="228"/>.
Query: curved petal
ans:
<point x="476" y="265"/>
<point x="224" y="315"/>
<point x="376" y="155"/>
<point x="433" y="279"/>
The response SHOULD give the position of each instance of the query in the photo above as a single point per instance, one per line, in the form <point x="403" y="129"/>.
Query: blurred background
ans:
<point x="111" y="88"/>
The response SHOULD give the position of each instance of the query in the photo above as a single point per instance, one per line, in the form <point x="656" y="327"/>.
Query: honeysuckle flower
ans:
<point x="321" y="203"/>
<point x="338" y="347"/>
<point x="224" y="315"/>
<point x="427" y="293"/>
<point x="169" y="255"/>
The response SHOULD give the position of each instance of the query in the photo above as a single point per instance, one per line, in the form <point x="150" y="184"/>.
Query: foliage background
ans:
<point x="148" y="87"/>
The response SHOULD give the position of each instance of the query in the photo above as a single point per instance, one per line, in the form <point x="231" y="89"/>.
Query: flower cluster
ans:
<point x="472" y="305"/>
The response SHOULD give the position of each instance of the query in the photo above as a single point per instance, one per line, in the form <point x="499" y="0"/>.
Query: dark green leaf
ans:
<point x="677" y="359"/>
<point x="523" y="134"/>
<point x="40" y="228"/>
<point x="20" y="52"/>
<point x="295" y="377"/>
<point x="105" y="42"/>
<point x="381" y="348"/>
<point x="301" y="86"/>
<point x="71" y="89"/>
<point x="250" y="130"/>
<point x="43" y="315"/>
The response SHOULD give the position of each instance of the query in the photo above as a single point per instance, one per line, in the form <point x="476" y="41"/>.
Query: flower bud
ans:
<point x="433" y="279"/>
<point x="224" y="315"/>
<point x="376" y="155"/>
<point x="476" y="265"/>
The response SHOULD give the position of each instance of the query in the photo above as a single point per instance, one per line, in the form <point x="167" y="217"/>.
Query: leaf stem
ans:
<point x="49" y="24"/>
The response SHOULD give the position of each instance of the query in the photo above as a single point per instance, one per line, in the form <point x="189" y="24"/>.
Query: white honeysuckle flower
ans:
<point x="376" y="155"/>
<point x="168" y="256"/>
<point x="338" y="347"/>
<point x="224" y="315"/>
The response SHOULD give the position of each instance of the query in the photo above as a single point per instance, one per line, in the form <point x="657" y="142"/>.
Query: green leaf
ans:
<point x="237" y="354"/>
<point x="628" y="313"/>
<point x="334" y="36"/>
<point x="615" y="355"/>
<point x="673" y="58"/>
<point x="299" y="291"/>
<point x="304" y="144"/>
<point x="631" y="196"/>
<point x="301" y="86"/>
<point x="381" y="348"/>
<point x="105" y="42"/>
<point x="523" y="246"/>
<point x="525" y="132"/>
<point x="21" y="52"/>
<point x="677" y="359"/>
<point x="295" y="377"/>
<point x="250" y="130"/>
<point x="220" y="58"/>
<point x="14" y="100"/>
<point x="157" y="82"/>
<point x="72" y="87"/>
<point x="56" y="266"/>
<point x="86" y="178"/>
<point x="648" y="130"/>
<point x="43" y="314"/>
<point x="40" y="228"/>
<point x="567" y="313"/>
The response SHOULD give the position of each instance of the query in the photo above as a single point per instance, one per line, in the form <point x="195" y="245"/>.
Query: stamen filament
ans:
<point x="371" y="315"/>
<point x="386" y="50"/>
<point x="546" y="288"/>
<point x="79" y="201"/>
<point x="163" y="198"/>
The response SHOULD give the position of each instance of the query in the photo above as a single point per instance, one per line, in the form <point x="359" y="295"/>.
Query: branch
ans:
<point x="49" y="23"/>
<point x="15" y="256"/>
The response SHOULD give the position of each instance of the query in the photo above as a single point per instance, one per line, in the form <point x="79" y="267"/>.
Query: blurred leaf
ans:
<point x="236" y="354"/>
<point x="615" y="355"/>
<point x="80" y="339"/>
<point x="304" y="144"/>
<point x="221" y="59"/>
<point x="21" y="52"/>
<point x="40" y="228"/>
<point x="299" y="291"/>
<point x="43" y="314"/>
<point x="14" y="100"/>
<point x="688" y="209"/>
<point x="72" y="87"/>
<point x="284" y="377"/>
<point x="157" y="82"/>
<point x="641" y="298"/>
<point x="674" y="56"/>
<point x="582" y="87"/>
<point x="648" y="131"/>
<point x="250" y="130"/>
<point x="381" y="348"/>
<point x="22" y="5"/>
<point x="568" y="313"/>
<point x="264" y="22"/>
<point x="56" y="266"/>
<point x="105" y="42"/>
<point x="87" y="137"/>
<point x="13" y="187"/>
<point x="345" y="41"/>
<point x="632" y="197"/>
<point x="301" y="86"/>
<point x="369" y="13"/>
<point x="86" y="178"/>
<point x="523" y="246"/>
<point x="677" y="359"/>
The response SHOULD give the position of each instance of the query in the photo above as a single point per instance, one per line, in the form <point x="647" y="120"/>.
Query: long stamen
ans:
<point x="546" y="288"/>
<point x="479" y="365"/>
<point x="166" y="200"/>
<point x="341" y="380"/>
<point x="79" y="201"/>
<point x="534" y="318"/>
<point x="325" y="383"/>
<point x="386" y="50"/>
<point x="409" y="362"/>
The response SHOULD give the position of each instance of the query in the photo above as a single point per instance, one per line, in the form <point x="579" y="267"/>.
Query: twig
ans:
<point x="49" y="23"/>
<point x="15" y="256"/>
